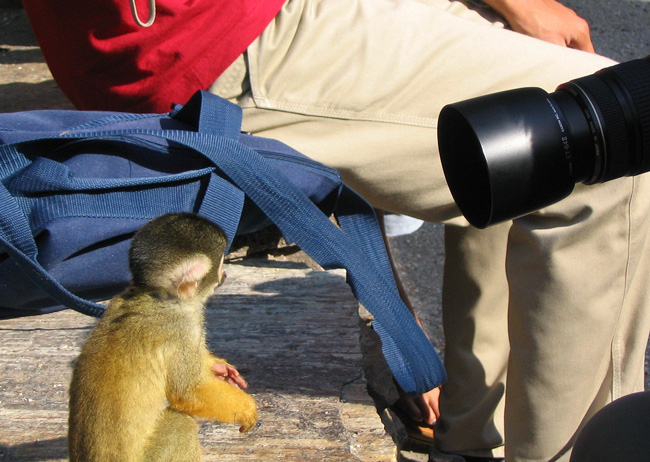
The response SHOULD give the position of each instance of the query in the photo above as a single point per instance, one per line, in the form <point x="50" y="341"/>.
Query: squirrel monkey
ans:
<point x="145" y="370"/>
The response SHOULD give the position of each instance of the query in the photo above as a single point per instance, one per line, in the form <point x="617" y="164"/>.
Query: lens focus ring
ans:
<point x="601" y="104"/>
<point x="633" y="79"/>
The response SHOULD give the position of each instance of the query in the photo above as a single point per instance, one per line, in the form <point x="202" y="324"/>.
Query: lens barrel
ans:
<point x="507" y="154"/>
<point x="618" y="98"/>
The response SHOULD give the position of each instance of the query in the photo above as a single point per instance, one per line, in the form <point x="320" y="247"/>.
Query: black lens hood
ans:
<point x="505" y="155"/>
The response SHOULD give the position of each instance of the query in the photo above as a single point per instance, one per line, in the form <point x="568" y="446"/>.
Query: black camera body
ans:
<point x="507" y="154"/>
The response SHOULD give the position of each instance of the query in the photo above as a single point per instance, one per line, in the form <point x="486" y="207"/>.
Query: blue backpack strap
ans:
<point x="221" y="202"/>
<point x="17" y="239"/>
<point x="211" y="114"/>
<point x="411" y="357"/>
<point x="139" y="198"/>
<point x="413" y="360"/>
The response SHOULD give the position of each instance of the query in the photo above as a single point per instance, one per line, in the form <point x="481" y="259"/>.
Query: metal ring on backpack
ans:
<point x="152" y="13"/>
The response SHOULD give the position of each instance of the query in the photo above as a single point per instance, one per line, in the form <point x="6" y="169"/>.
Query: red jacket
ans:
<point x="103" y="60"/>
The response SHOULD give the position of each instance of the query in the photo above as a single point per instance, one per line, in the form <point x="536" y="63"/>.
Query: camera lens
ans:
<point x="510" y="153"/>
<point x="616" y="104"/>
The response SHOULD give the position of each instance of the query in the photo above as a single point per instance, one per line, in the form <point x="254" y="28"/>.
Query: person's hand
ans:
<point x="423" y="409"/>
<point x="230" y="374"/>
<point x="546" y="20"/>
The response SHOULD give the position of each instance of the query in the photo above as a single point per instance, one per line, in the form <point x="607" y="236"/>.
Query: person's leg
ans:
<point x="578" y="321"/>
<point x="475" y="322"/>
<point x="358" y="84"/>
<point x="578" y="318"/>
<point x="475" y="307"/>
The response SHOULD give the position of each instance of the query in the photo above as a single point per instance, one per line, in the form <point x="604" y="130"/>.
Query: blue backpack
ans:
<point x="76" y="185"/>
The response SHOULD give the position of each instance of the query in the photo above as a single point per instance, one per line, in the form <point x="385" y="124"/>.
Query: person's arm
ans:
<point x="546" y="20"/>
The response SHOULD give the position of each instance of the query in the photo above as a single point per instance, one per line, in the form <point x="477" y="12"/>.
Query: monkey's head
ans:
<point x="181" y="253"/>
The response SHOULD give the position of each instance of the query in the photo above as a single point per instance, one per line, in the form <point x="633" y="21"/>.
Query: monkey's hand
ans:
<point x="229" y="373"/>
<point x="216" y="399"/>
<point x="218" y="395"/>
<point x="247" y="416"/>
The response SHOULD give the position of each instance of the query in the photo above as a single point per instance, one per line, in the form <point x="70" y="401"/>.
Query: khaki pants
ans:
<point x="544" y="316"/>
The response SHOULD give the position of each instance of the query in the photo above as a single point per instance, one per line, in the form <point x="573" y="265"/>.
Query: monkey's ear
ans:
<point x="187" y="275"/>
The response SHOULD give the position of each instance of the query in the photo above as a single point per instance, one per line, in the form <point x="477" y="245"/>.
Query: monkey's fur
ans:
<point x="145" y="370"/>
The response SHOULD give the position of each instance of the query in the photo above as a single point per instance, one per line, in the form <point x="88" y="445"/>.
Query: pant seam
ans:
<point x="343" y="114"/>
<point x="617" y="378"/>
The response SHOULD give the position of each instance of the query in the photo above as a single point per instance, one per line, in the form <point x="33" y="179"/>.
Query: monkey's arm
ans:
<point x="215" y="398"/>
